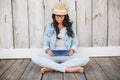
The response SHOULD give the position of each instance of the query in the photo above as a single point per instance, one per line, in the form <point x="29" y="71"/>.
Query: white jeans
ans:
<point x="60" y="63"/>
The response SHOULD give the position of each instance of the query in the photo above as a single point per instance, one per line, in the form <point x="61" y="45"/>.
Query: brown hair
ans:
<point x="66" y="23"/>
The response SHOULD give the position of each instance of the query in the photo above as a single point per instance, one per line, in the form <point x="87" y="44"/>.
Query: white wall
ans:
<point x="22" y="22"/>
<point x="30" y="52"/>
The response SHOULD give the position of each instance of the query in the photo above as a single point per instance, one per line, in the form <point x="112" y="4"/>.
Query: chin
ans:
<point x="59" y="21"/>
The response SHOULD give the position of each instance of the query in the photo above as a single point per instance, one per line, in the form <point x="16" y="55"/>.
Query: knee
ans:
<point x="85" y="58"/>
<point x="33" y="58"/>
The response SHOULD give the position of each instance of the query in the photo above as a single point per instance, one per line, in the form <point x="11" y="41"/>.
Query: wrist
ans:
<point x="47" y="50"/>
<point x="72" y="50"/>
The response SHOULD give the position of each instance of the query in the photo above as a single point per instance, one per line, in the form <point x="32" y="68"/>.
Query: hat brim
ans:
<point x="59" y="12"/>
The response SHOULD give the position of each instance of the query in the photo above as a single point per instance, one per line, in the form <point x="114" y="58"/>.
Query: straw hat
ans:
<point x="60" y="9"/>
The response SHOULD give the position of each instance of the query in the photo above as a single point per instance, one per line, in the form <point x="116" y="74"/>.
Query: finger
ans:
<point x="69" y="54"/>
<point x="52" y="53"/>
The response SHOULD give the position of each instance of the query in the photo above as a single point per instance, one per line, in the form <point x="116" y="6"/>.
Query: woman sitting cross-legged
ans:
<point x="60" y="35"/>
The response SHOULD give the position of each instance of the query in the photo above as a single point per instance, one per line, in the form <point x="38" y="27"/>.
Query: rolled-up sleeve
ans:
<point x="75" y="39"/>
<point x="46" y="40"/>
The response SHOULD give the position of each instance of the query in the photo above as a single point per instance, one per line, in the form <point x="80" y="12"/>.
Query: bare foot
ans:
<point x="75" y="69"/>
<point x="43" y="70"/>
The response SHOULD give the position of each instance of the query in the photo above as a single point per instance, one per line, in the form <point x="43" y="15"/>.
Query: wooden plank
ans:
<point x="52" y="76"/>
<point x="6" y="37"/>
<point x="80" y="76"/>
<point x="20" y="23"/>
<point x="49" y="4"/>
<point x="99" y="23"/>
<point x="96" y="69"/>
<point x="35" y="73"/>
<point x="2" y="63"/>
<point x="27" y="71"/>
<point x="7" y="74"/>
<point x="94" y="72"/>
<point x="70" y="4"/>
<point x="20" y="70"/>
<point x="109" y="67"/>
<point x="69" y="76"/>
<point x="114" y="22"/>
<point x="6" y="66"/>
<point x="84" y="23"/>
<point x="119" y="57"/>
<point x="116" y="60"/>
<point x="36" y="22"/>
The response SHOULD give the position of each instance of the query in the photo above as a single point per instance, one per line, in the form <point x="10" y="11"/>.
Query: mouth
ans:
<point x="59" y="20"/>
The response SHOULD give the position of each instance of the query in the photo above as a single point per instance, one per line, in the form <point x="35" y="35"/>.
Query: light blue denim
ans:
<point x="50" y="38"/>
<point x="60" y="63"/>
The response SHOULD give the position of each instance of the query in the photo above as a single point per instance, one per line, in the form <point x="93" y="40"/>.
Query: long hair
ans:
<point x="66" y="23"/>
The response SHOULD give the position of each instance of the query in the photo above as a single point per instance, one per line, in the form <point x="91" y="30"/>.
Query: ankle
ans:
<point x="69" y="70"/>
<point x="75" y="69"/>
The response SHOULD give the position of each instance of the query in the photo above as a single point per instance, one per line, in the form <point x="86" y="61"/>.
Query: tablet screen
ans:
<point x="60" y="52"/>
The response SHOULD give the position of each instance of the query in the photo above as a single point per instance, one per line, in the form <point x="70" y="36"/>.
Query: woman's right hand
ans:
<point x="49" y="52"/>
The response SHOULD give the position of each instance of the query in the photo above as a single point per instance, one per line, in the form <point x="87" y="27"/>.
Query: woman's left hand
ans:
<point x="70" y="53"/>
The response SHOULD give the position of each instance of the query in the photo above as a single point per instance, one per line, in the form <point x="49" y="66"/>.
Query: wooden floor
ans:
<point x="25" y="69"/>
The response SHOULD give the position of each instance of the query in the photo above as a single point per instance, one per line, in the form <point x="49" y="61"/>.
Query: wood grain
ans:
<point x="84" y="23"/>
<point x="20" y="23"/>
<point x="99" y="23"/>
<point x="6" y="26"/>
<point x="114" y="23"/>
<point x="36" y="23"/>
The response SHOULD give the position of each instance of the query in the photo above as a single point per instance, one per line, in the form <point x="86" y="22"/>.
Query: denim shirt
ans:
<point x="50" y="38"/>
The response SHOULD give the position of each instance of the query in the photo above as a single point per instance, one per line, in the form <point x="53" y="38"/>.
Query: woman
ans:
<point x="60" y="35"/>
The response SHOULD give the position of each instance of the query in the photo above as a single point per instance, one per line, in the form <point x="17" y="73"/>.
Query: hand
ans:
<point x="70" y="53"/>
<point x="49" y="52"/>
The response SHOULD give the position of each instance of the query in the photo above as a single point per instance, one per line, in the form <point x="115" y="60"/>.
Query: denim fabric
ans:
<point x="50" y="38"/>
<point x="60" y="63"/>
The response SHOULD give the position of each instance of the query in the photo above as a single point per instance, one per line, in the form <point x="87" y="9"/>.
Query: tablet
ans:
<point x="60" y="52"/>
